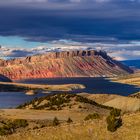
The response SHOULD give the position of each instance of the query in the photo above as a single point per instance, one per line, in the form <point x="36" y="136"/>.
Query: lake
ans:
<point x="13" y="99"/>
<point x="93" y="86"/>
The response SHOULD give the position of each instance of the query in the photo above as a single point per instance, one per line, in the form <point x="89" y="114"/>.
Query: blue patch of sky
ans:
<point x="19" y="42"/>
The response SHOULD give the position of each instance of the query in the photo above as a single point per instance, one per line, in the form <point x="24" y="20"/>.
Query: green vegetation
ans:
<point x="115" y="112"/>
<point x="69" y="120"/>
<point x="86" y="100"/>
<point x="20" y="123"/>
<point x="79" y="106"/>
<point x="114" y="120"/>
<point x="59" y="101"/>
<point x="5" y="130"/>
<point x="55" y="102"/>
<point x="55" y="121"/>
<point x="92" y="116"/>
<point x="11" y="126"/>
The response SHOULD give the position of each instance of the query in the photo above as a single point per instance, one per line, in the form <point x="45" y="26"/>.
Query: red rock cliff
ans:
<point x="63" y="64"/>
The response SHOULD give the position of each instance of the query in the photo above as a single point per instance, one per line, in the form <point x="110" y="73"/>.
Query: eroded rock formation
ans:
<point x="63" y="64"/>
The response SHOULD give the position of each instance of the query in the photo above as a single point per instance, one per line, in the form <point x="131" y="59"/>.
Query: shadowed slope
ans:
<point x="4" y="79"/>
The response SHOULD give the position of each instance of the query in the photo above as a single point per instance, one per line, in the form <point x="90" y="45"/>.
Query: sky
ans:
<point x="30" y="27"/>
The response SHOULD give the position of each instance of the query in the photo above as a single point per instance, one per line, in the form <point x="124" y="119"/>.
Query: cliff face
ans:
<point x="63" y="64"/>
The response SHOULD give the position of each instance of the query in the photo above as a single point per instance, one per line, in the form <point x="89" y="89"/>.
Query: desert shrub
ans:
<point x="79" y="106"/>
<point x="52" y="108"/>
<point x="113" y="123"/>
<point x="115" y="112"/>
<point x="59" y="108"/>
<point x="55" y="121"/>
<point x="58" y="100"/>
<point x="42" y="126"/>
<point x="114" y="120"/>
<point x="68" y="96"/>
<point x="11" y="126"/>
<point x="70" y="106"/>
<point x="36" y="127"/>
<point x="69" y="120"/>
<point x="20" y="123"/>
<point x="86" y="100"/>
<point x="5" y="130"/>
<point x="92" y="116"/>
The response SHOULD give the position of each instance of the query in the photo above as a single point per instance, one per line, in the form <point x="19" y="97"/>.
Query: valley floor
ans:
<point x="42" y="114"/>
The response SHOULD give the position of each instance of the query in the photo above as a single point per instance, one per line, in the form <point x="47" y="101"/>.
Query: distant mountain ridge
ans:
<point x="132" y="63"/>
<point x="89" y="63"/>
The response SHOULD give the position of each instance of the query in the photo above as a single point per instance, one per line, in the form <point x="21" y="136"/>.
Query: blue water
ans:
<point x="13" y="99"/>
<point x="93" y="86"/>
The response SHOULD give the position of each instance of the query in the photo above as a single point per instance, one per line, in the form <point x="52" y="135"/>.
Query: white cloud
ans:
<point x="119" y="51"/>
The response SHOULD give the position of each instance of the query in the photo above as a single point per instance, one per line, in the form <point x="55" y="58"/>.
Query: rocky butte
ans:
<point x="80" y="63"/>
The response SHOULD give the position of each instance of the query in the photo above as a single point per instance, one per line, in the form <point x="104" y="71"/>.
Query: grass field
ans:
<point x="132" y="79"/>
<point x="84" y="130"/>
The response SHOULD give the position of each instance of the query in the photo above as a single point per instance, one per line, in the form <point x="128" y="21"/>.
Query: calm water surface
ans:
<point x="13" y="99"/>
<point x="93" y="86"/>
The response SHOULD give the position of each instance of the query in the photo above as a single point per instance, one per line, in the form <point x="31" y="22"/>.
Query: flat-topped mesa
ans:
<point x="79" y="63"/>
<point x="53" y="55"/>
<point x="75" y="53"/>
<point x="80" y="53"/>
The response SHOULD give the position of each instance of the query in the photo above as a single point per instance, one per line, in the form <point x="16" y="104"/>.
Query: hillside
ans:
<point x="67" y="102"/>
<point x="63" y="64"/>
<point x="133" y="79"/>
<point x="87" y="118"/>
<point x="4" y="78"/>
<point x="40" y="121"/>
<point x="95" y="130"/>
<point x="126" y="104"/>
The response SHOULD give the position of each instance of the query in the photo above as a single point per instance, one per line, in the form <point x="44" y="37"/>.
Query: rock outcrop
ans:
<point x="63" y="64"/>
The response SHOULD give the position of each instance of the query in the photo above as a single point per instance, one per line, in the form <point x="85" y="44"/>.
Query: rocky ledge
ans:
<point x="89" y="63"/>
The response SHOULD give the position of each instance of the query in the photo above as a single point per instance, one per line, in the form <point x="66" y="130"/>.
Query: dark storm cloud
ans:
<point x="79" y="20"/>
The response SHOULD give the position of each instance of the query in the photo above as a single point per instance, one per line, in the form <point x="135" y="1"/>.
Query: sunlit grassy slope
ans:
<point x="133" y="79"/>
<point x="90" y="130"/>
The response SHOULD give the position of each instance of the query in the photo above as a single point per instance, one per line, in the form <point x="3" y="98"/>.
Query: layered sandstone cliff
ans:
<point x="63" y="64"/>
